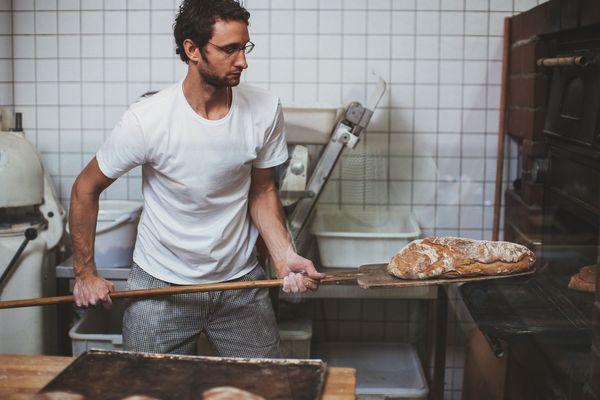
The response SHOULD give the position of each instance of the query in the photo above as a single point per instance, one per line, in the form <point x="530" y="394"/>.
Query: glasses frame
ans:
<point x="247" y="48"/>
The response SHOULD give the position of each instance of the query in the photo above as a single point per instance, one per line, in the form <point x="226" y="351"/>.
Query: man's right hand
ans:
<point x="91" y="289"/>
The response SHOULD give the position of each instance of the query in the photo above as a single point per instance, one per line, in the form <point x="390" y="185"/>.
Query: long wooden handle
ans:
<point x="206" y="287"/>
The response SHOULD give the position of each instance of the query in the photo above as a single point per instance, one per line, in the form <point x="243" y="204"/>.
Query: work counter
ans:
<point x="21" y="376"/>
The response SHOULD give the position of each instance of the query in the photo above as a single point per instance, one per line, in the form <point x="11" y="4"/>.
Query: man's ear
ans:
<point x="191" y="50"/>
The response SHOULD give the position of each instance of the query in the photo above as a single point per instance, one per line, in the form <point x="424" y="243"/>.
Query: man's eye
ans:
<point x="230" y="50"/>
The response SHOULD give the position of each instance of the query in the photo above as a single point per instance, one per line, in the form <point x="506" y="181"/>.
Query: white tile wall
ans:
<point x="72" y="67"/>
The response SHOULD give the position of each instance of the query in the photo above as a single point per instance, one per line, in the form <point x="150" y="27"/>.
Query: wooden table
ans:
<point x="21" y="376"/>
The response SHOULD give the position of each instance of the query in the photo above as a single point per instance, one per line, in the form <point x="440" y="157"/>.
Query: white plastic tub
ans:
<point x="383" y="370"/>
<point x="350" y="237"/>
<point x="116" y="232"/>
<point x="102" y="329"/>
<point x="310" y="124"/>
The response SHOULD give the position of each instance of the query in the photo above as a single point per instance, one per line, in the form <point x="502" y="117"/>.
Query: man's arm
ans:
<point x="267" y="214"/>
<point x="90" y="288"/>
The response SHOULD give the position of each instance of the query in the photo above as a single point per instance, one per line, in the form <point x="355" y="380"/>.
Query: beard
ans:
<point x="219" y="81"/>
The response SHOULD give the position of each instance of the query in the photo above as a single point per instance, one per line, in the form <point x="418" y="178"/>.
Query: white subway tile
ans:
<point x="70" y="117"/>
<point x="92" y="93"/>
<point x="305" y="46"/>
<point x="428" y="22"/>
<point x="448" y="193"/>
<point x="426" y="96"/>
<point x="138" y="4"/>
<point x="23" y="45"/>
<point x="305" y="22"/>
<point x="92" y="46"/>
<point x="402" y="120"/>
<point x="162" y="21"/>
<point x="424" y="193"/>
<point x="424" y="169"/>
<point x="69" y="46"/>
<point x="258" y="71"/>
<point x="47" y="140"/>
<point x="476" y="5"/>
<point x="115" y="22"/>
<point x="379" y="22"/>
<point x="161" y="70"/>
<point x="282" y="46"/>
<point x="474" y="121"/>
<point x="24" y="70"/>
<point x="447" y="217"/>
<point x="474" y="96"/>
<point x="282" y="21"/>
<point x="92" y="117"/>
<point x="378" y="47"/>
<point x="68" y="22"/>
<point x="69" y="69"/>
<point x="354" y="4"/>
<point x="69" y="93"/>
<point x="115" y="94"/>
<point x="354" y="72"/>
<point x="524" y="5"/>
<point x="68" y="4"/>
<point x="428" y="47"/>
<point x="426" y="71"/>
<point x="476" y="48"/>
<point x="355" y="46"/>
<point x="23" y="5"/>
<point x="6" y="22"/>
<point x="70" y="141"/>
<point x="115" y="46"/>
<point x="45" y="22"/>
<point x="329" y="93"/>
<point x="138" y="70"/>
<point x="450" y="96"/>
<point x="330" y="46"/>
<point x="92" y="140"/>
<point x="473" y="168"/>
<point x="330" y="21"/>
<point x="449" y="144"/>
<point x="23" y="22"/>
<point x="476" y="23"/>
<point x="403" y="22"/>
<point x="281" y="70"/>
<point x="138" y="22"/>
<point x="305" y="93"/>
<point x="475" y="72"/>
<point x="46" y="70"/>
<point x="47" y="117"/>
<point x="501" y="5"/>
<point x="451" y="47"/>
<point x="92" y="70"/>
<point x="329" y="70"/>
<point x="403" y="71"/>
<point x="115" y="70"/>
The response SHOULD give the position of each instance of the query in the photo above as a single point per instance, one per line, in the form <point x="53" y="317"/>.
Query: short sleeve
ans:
<point x="274" y="150"/>
<point x="124" y="149"/>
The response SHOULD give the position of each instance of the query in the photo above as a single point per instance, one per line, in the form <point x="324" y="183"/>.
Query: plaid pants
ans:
<point x="238" y="323"/>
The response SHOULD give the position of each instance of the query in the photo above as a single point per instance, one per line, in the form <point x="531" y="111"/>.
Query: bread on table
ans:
<point x="585" y="279"/>
<point x="454" y="257"/>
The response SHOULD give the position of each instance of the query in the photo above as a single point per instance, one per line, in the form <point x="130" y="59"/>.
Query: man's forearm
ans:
<point x="83" y="213"/>
<point x="267" y="214"/>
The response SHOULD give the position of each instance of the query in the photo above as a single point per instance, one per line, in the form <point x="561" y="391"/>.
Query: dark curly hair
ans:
<point x="196" y="18"/>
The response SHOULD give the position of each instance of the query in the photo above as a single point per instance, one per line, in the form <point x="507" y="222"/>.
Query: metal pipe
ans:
<point x="573" y="61"/>
<point x="30" y="234"/>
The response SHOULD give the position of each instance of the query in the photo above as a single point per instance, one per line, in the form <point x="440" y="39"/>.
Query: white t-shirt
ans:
<point x="195" y="227"/>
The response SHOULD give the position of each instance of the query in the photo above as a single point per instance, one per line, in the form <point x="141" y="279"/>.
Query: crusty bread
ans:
<point x="453" y="257"/>
<point x="585" y="279"/>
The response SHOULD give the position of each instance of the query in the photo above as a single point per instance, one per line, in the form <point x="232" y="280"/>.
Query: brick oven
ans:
<point x="549" y="334"/>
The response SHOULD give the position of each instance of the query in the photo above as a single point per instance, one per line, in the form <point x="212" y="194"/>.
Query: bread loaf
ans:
<point x="453" y="257"/>
<point x="585" y="279"/>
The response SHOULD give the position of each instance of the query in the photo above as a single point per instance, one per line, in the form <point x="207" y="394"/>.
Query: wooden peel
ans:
<point x="171" y="290"/>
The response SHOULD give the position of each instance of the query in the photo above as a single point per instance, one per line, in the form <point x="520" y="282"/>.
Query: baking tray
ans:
<point x="107" y="375"/>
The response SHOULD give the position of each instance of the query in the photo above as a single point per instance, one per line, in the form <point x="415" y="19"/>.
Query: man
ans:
<point x="207" y="150"/>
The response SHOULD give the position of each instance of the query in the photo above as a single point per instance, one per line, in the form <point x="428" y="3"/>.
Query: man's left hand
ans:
<point x="294" y="270"/>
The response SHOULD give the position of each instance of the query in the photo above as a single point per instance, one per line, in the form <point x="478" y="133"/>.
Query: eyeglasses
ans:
<point x="234" y="49"/>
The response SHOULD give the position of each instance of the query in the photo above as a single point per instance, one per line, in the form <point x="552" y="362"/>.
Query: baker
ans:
<point x="208" y="149"/>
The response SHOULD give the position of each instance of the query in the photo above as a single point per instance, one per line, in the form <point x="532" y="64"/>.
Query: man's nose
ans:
<point x="240" y="60"/>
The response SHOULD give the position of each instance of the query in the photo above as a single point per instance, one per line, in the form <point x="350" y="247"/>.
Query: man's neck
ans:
<point x="209" y="101"/>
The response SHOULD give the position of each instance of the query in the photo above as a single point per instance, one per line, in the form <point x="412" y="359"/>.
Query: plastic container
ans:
<point x="310" y="124"/>
<point x="350" y="237"/>
<point x="102" y="329"/>
<point x="383" y="370"/>
<point x="116" y="232"/>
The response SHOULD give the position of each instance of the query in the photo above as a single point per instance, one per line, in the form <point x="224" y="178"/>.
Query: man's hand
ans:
<point x="91" y="289"/>
<point x="294" y="270"/>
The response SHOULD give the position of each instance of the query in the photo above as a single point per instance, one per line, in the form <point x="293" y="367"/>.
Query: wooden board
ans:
<point x="376" y="276"/>
<point x="116" y="375"/>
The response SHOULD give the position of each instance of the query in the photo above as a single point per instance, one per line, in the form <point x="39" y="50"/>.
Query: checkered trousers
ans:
<point x="238" y="323"/>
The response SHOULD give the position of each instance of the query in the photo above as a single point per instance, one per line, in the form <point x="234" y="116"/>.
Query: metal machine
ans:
<point x="314" y="155"/>
<point x="31" y="225"/>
